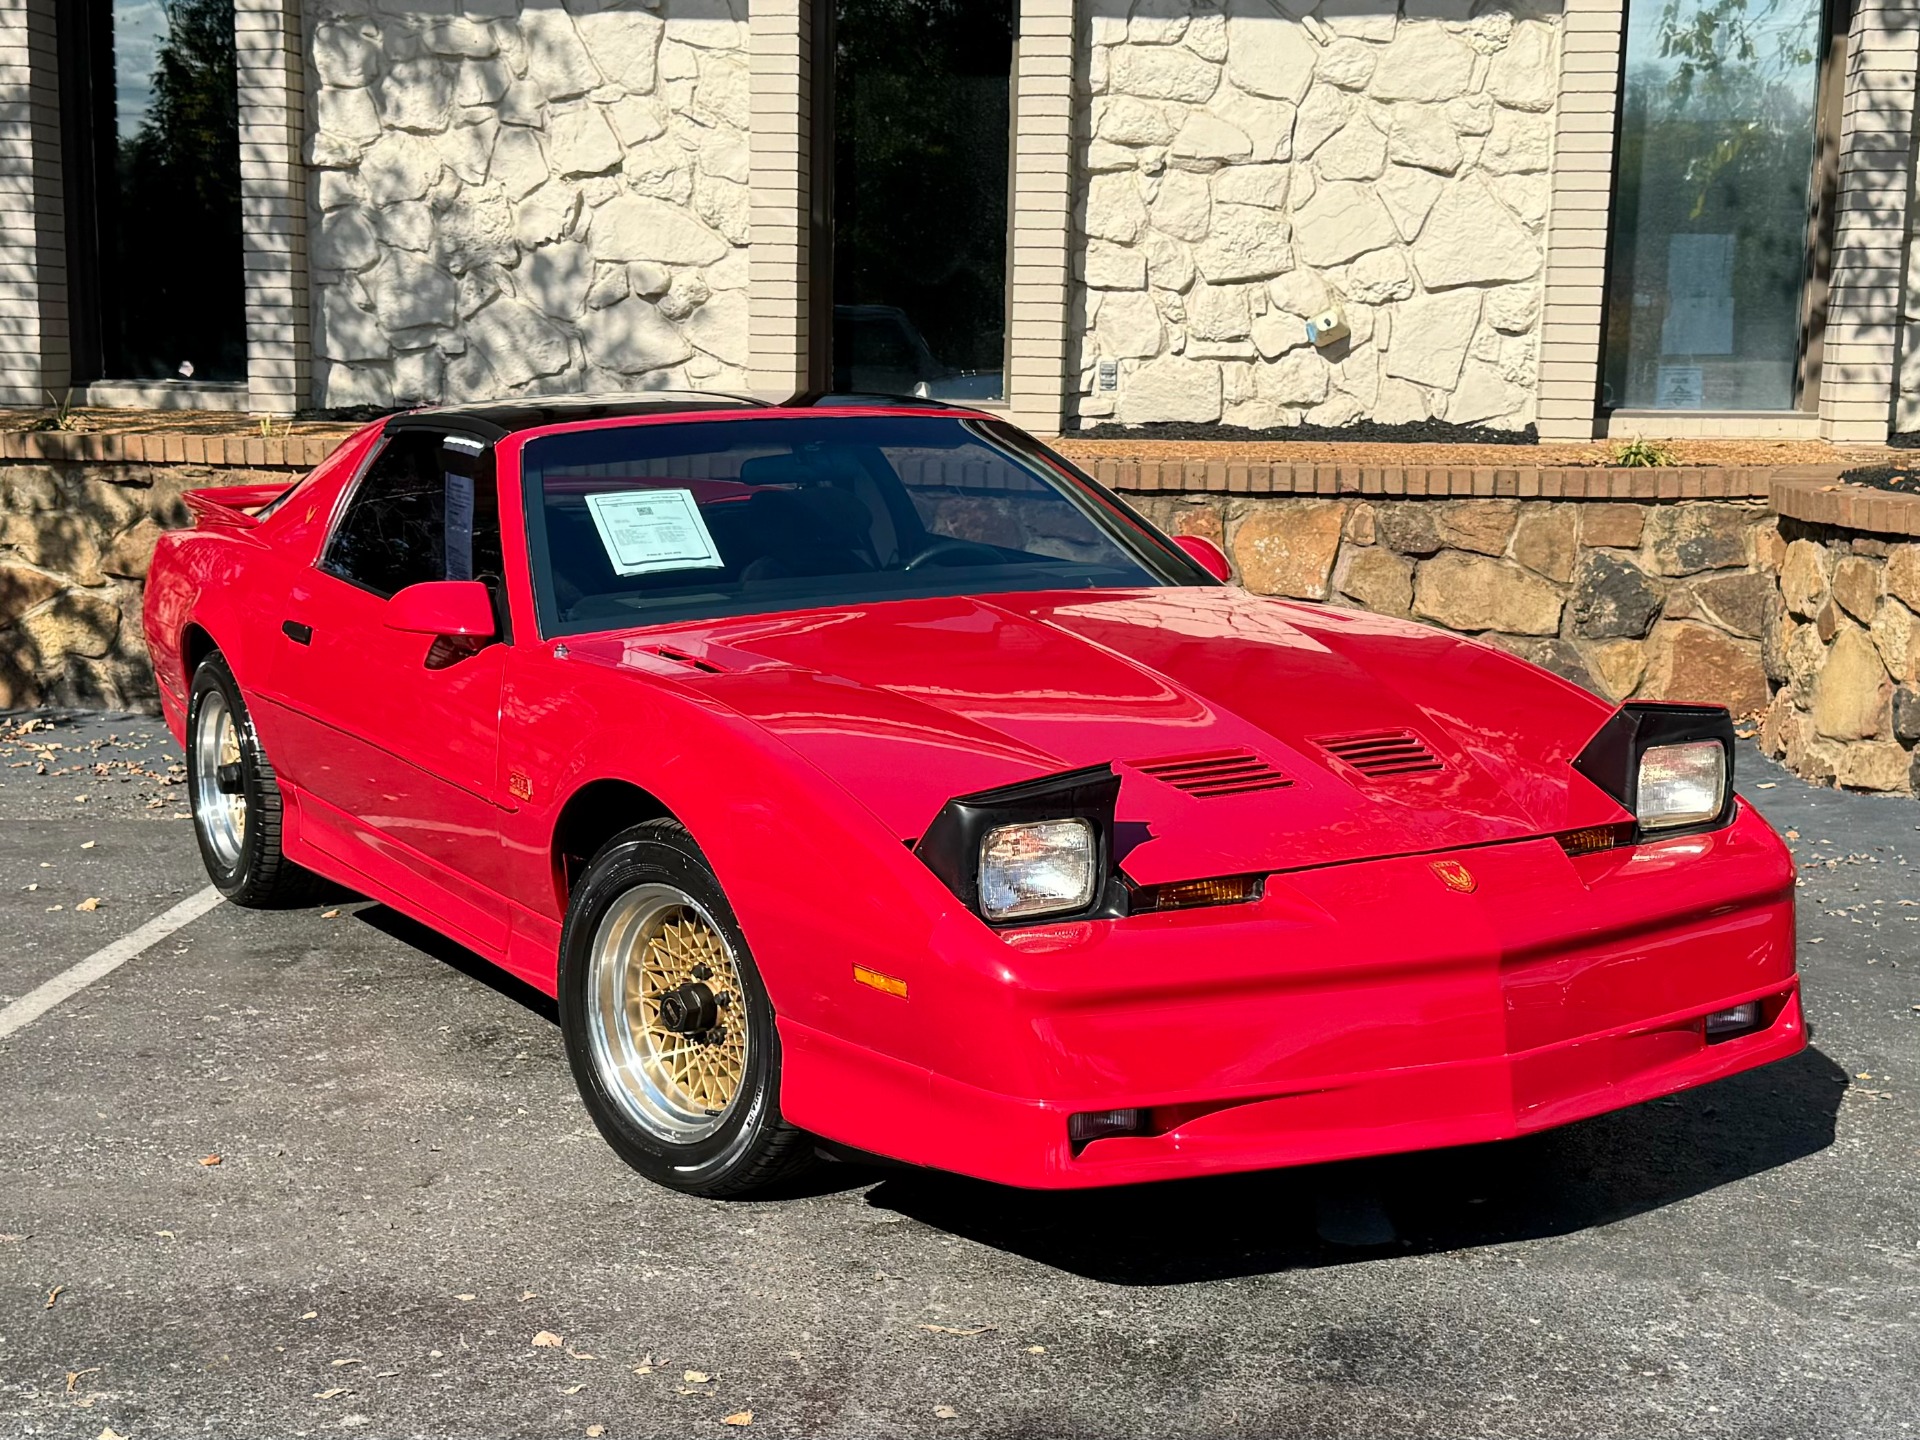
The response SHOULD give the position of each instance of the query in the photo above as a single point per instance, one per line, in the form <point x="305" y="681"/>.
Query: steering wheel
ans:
<point x="932" y="553"/>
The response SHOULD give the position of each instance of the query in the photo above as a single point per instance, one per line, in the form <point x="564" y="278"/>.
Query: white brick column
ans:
<point x="1040" y="263"/>
<point x="1579" y="211"/>
<point x="34" y="359"/>
<point x="273" y="203"/>
<point x="1871" y="216"/>
<point x="779" y="66"/>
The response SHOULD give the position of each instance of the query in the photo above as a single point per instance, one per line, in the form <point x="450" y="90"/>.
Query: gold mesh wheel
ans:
<point x="669" y="1015"/>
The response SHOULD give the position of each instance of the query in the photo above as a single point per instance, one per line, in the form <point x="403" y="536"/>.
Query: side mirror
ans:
<point x="444" y="609"/>
<point x="1210" y="556"/>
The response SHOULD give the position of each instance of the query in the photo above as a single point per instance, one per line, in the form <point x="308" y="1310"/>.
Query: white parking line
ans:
<point x="103" y="962"/>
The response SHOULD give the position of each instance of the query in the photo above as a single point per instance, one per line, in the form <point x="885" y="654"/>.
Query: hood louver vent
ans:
<point x="1378" y="753"/>
<point x="1223" y="772"/>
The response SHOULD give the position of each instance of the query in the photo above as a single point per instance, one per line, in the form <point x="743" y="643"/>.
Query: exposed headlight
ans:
<point x="1042" y="868"/>
<point x="1681" y="784"/>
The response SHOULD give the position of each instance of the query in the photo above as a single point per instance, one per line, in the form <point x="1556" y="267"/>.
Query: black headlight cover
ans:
<point x="1611" y="759"/>
<point x="950" y="848"/>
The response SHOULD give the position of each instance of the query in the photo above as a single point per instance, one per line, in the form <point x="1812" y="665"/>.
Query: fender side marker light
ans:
<point x="885" y="984"/>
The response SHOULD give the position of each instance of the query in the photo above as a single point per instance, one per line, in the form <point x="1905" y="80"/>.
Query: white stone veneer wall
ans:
<point x="514" y="197"/>
<point x="1248" y="159"/>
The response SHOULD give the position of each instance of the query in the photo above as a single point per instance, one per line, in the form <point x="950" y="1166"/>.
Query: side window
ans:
<point x="423" y="511"/>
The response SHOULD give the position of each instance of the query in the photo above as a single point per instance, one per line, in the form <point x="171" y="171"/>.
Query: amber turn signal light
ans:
<point x="878" y="980"/>
<point x="1596" y="837"/>
<point x="1191" y="894"/>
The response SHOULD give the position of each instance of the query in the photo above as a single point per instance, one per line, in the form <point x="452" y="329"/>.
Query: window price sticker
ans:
<point x="647" y="531"/>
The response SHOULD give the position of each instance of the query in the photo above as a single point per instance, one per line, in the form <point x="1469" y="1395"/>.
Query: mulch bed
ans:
<point x="1362" y="432"/>
<point x="1902" y="477"/>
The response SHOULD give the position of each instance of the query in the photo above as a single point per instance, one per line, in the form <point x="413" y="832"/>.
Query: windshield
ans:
<point x="643" y="524"/>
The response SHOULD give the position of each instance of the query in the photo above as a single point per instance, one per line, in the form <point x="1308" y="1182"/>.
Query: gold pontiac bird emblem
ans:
<point x="1454" y="876"/>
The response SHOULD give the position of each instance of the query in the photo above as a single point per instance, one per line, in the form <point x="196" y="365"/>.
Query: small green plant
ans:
<point x="1640" y="454"/>
<point x="62" y="417"/>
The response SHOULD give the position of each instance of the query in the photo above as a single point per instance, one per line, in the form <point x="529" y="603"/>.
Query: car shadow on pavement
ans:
<point x="452" y="953"/>
<point x="1588" y="1174"/>
<point x="1178" y="1232"/>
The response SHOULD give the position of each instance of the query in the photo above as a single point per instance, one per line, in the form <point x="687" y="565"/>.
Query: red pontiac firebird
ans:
<point x="863" y="777"/>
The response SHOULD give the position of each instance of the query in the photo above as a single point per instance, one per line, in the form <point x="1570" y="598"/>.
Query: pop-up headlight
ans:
<point x="1671" y="765"/>
<point x="1680" y="784"/>
<point x="1040" y="849"/>
<point x="1043" y="868"/>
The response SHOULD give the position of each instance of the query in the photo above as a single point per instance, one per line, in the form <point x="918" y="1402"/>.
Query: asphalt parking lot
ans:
<point x="411" y="1228"/>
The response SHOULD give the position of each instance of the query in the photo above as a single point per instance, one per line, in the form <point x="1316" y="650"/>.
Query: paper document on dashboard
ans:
<point x="646" y="531"/>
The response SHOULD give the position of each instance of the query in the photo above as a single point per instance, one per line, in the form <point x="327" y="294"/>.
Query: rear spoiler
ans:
<point x="232" y="507"/>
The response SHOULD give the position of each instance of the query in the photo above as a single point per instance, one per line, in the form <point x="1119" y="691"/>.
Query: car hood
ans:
<point x="908" y="703"/>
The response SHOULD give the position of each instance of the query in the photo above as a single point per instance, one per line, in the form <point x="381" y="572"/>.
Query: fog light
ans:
<point x="1735" y="1020"/>
<point x="1099" y="1124"/>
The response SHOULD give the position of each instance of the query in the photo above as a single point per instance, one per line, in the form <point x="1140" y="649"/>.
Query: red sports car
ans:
<point x="862" y="777"/>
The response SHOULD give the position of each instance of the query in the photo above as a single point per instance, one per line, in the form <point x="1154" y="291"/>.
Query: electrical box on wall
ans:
<point x="1109" y="375"/>
<point x="1329" y="326"/>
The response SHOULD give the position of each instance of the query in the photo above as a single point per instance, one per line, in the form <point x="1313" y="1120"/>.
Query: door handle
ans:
<point x="296" y="632"/>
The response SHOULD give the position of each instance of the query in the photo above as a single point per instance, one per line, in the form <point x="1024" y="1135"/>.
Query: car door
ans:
<point x="396" y="735"/>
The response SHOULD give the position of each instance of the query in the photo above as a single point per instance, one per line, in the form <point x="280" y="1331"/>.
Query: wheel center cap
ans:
<point x="689" y="1010"/>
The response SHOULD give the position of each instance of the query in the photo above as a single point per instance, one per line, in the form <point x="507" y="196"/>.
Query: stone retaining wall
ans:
<point x="75" y="542"/>
<point x="1643" y="600"/>
<point x="1813" y="628"/>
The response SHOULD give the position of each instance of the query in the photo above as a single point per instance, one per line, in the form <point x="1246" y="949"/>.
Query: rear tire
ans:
<point x="237" y="809"/>
<point x="668" y="1028"/>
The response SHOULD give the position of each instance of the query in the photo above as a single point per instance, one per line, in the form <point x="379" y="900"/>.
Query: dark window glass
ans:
<point x="921" y="113"/>
<point x="150" y="124"/>
<point x="423" y="511"/>
<point x="640" y="524"/>
<point x="1705" y="297"/>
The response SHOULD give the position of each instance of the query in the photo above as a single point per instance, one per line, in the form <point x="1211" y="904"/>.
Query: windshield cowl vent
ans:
<point x="1381" y="753"/>
<point x="1216" y="773"/>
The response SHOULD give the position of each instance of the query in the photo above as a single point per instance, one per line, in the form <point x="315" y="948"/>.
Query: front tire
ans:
<point x="668" y="1028"/>
<point x="237" y="809"/>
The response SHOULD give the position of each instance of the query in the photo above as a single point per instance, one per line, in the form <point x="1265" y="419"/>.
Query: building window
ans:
<point x="922" y="91"/>
<point x="1710" y="291"/>
<point x="151" y="158"/>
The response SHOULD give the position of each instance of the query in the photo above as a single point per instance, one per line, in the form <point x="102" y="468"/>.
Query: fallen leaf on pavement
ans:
<point x="696" y="1377"/>
<point x="92" y="902"/>
<point x="958" y="1329"/>
<point x="739" y="1417"/>
<point x="16" y="1239"/>
<point x="338" y="1363"/>
<point x="53" y="1295"/>
<point x="329" y="914"/>
<point x="466" y="1297"/>
<point x="582" y="1355"/>
<point x="530" y="1295"/>
<point x="573" y="1389"/>
<point x="88" y="844"/>
<point x="594" y="1432"/>
<point x="547" y="1340"/>
<point x="311" y="1315"/>
<point x="1036" y="1349"/>
<point x="329" y="1394"/>
<point x="111" y="1434"/>
<point x="73" y="1378"/>
<point x="945" y="1412"/>
<point x="210" y="1160"/>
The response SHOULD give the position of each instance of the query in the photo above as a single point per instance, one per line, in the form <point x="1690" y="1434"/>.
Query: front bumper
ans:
<point x="1357" y="1010"/>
